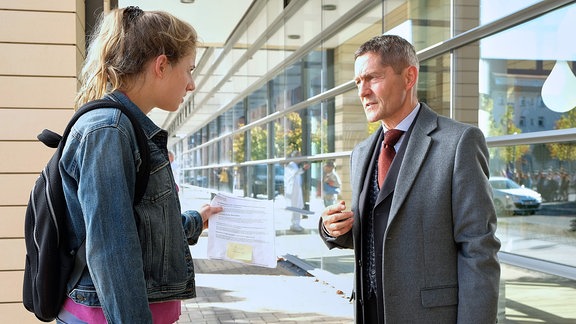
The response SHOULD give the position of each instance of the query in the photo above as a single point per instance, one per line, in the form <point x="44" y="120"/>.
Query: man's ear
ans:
<point x="411" y="76"/>
<point x="160" y="64"/>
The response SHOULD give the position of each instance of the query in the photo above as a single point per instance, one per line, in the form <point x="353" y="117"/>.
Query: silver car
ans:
<point x="510" y="198"/>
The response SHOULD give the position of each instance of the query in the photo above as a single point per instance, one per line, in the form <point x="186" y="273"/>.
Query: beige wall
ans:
<point x="466" y="70"/>
<point x="41" y="46"/>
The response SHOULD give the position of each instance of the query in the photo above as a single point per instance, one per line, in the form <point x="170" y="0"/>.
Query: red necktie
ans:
<point x="387" y="153"/>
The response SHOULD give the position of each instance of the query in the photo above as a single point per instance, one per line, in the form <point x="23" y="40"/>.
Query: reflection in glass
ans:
<point x="257" y="105"/>
<point x="535" y="197"/>
<point x="526" y="83"/>
<point x="258" y="143"/>
<point x="510" y="198"/>
<point x="491" y="10"/>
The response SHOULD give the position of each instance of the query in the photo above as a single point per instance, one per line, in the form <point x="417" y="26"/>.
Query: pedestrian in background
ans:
<point x="293" y="190"/>
<point x="330" y="184"/>
<point x="139" y="265"/>
<point x="423" y="231"/>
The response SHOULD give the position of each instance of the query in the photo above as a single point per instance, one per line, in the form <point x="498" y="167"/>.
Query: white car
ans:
<point x="510" y="198"/>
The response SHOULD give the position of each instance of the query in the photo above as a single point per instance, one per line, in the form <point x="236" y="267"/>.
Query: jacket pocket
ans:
<point x="439" y="296"/>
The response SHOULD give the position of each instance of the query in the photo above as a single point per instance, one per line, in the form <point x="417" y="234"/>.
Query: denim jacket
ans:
<point x="135" y="254"/>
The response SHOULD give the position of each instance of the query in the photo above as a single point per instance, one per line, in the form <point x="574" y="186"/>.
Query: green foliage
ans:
<point x="258" y="142"/>
<point x="279" y="138"/>
<point x="287" y="139"/>
<point x="319" y="138"/>
<point x="564" y="151"/>
<point x="293" y="132"/>
<point x="239" y="146"/>
<point x="505" y="126"/>
<point x="372" y="127"/>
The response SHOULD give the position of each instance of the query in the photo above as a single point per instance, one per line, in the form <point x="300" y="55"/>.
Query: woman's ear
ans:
<point x="160" y="64"/>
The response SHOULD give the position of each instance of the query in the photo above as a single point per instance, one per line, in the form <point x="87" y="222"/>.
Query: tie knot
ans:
<point x="392" y="136"/>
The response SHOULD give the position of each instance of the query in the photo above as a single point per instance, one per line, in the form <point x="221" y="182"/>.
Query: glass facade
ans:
<point x="526" y="94"/>
<point x="281" y="91"/>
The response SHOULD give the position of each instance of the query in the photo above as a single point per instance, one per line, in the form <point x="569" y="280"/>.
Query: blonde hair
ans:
<point x="124" y="41"/>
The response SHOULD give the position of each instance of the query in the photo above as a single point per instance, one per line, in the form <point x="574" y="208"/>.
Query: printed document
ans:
<point x="243" y="231"/>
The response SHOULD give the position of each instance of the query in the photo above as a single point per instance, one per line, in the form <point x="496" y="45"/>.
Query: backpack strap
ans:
<point x="142" y="175"/>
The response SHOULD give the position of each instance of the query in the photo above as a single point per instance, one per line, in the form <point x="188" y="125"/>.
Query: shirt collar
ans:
<point x="408" y="120"/>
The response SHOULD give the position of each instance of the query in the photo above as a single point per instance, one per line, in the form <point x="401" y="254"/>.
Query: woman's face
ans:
<point x="178" y="82"/>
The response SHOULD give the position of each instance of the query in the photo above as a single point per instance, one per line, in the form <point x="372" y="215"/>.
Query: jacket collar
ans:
<point x="150" y="129"/>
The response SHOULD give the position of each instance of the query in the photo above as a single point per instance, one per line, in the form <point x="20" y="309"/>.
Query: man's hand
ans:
<point x="336" y="221"/>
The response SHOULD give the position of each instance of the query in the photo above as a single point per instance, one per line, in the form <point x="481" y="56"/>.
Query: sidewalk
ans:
<point x="230" y="292"/>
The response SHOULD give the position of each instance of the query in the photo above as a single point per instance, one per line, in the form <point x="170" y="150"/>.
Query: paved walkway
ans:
<point x="230" y="292"/>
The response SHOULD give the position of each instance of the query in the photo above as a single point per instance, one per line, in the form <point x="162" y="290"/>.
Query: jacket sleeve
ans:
<point x="112" y="242"/>
<point x="474" y="221"/>
<point x="192" y="222"/>
<point x="343" y="242"/>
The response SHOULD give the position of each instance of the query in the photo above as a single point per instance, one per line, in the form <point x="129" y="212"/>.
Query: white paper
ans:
<point x="243" y="231"/>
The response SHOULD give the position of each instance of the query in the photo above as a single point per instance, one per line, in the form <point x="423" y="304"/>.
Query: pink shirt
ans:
<point x="162" y="313"/>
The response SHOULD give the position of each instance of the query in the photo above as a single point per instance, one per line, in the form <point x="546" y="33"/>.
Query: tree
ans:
<point x="287" y="138"/>
<point x="564" y="151"/>
<point x="293" y="132"/>
<point x="259" y="143"/>
<point x="372" y="127"/>
<point x="239" y="146"/>
<point x="504" y="126"/>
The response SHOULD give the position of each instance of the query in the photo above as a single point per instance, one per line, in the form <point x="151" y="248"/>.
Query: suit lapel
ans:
<point x="415" y="152"/>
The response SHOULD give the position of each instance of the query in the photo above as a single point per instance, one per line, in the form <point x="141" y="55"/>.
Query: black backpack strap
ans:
<point x="141" y="176"/>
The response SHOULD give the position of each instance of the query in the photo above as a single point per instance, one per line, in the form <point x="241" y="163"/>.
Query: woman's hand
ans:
<point x="207" y="211"/>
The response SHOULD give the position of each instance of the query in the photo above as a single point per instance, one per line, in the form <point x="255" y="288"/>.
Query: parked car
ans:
<point x="198" y="180"/>
<point x="510" y="198"/>
<point x="260" y="180"/>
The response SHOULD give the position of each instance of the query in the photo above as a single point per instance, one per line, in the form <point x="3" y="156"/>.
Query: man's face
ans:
<point x="383" y="92"/>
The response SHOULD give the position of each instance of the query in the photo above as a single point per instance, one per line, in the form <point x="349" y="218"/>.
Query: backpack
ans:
<point x="52" y="268"/>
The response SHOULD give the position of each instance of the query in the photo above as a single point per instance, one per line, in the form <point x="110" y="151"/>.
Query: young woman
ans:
<point x="139" y="265"/>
